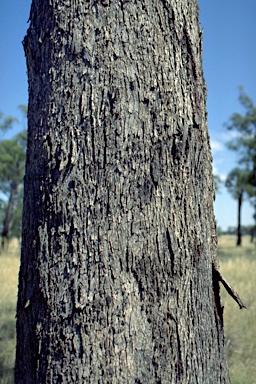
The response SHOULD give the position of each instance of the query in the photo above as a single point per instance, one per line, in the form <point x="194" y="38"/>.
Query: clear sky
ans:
<point x="229" y="61"/>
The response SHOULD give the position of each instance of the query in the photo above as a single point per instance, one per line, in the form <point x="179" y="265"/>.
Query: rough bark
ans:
<point x="117" y="281"/>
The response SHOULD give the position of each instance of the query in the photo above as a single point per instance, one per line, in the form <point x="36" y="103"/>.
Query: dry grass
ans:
<point x="238" y="265"/>
<point x="9" y="265"/>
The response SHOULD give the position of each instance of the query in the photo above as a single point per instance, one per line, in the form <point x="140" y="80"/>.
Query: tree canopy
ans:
<point x="244" y="140"/>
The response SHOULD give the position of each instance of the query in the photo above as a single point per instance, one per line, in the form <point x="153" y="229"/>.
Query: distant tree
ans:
<point x="245" y="140"/>
<point x="230" y="230"/>
<point x="6" y="122"/>
<point x="253" y="228"/>
<point x="217" y="182"/>
<point x="12" y="168"/>
<point x="244" y="143"/>
<point x="238" y="184"/>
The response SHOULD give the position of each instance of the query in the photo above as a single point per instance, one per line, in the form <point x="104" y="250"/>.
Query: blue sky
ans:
<point x="229" y="61"/>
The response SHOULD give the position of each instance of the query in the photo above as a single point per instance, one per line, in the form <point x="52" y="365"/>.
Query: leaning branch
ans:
<point x="229" y="289"/>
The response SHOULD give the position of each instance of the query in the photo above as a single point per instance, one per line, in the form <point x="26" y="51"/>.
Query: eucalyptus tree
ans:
<point x="119" y="278"/>
<point x="244" y="142"/>
<point x="12" y="169"/>
<point x="245" y="139"/>
<point x="6" y="122"/>
<point x="238" y="184"/>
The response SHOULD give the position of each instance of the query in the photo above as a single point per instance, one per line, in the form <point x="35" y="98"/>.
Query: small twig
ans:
<point x="229" y="289"/>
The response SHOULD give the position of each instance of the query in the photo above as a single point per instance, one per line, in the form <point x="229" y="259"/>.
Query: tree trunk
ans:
<point x="239" y="228"/>
<point x="119" y="240"/>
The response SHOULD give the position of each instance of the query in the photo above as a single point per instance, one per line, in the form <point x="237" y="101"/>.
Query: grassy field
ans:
<point x="9" y="265"/>
<point x="238" y="266"/>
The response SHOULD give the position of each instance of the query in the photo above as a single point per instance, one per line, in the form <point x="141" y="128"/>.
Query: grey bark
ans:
<point x="119" y="240"/>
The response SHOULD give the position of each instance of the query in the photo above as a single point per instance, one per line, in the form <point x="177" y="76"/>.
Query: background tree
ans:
<point x="12" y="169"/>
<point x="217" y="182"/>
<point x="253" y="229"/>
<point x="119" y="279"/>
<point x="244" y="141"/>
<point x="238" y="184"/>
<point x="6" y="122"/>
